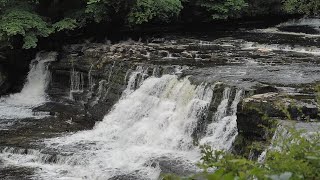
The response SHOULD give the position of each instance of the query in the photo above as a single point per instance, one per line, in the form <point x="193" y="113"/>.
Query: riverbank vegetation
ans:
<point x="292" y="155"/>
<point x="23" y="22"/>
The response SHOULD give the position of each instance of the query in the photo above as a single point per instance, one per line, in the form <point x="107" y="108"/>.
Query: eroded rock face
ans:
<point x="258" y="116"/>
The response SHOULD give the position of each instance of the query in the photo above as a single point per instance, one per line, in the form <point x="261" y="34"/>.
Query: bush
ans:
<point x="293" y="156"/>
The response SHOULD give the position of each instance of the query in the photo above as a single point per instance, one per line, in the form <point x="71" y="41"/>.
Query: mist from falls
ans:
<point x="149" y="129"/>
<point x="19" y="105"/>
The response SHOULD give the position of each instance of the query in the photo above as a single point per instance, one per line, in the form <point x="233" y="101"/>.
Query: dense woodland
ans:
<point x="23" y="22"/>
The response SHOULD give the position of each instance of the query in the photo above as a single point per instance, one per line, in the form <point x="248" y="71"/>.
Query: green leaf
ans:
<point x="65" y="24"/>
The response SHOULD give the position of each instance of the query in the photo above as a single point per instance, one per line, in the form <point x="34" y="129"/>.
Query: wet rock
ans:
<point x="258" y="116"/>
<point x="16" y="173"/>
<point x="163" y="53"/>
<point x="4" y="84"/>
<point x="254" y="118"/>
<point x="174" y="48"/>
<point x="299" y="29"/>
<point x="186" y="54"/>
<point x="265" y="89"/>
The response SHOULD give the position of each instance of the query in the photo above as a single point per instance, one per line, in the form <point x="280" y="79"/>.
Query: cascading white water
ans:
<point x="223" y="130"/>
<point x="276" y="47"/>
<point x="282" y="134"/>
<point x="90" y="79"/>
<point x="280" y="131"/>
<point x="135" y="80"/>
<point x="154" y="122"/>
<point x="76" y="82"/>
<point x="33" y="94"/>
<point x="312" y="22"/>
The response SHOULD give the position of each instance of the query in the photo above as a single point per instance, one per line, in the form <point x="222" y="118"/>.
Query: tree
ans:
<point x="222" y="9"/>
<point x="309" y="7"/>
<point x="19" y="19"/>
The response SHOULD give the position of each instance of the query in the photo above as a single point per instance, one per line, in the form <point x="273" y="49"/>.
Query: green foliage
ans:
<point x="97" y="9"/>
<point x="222" y="9"/>
<point x="297" y="154"/>
<point x="146" y="10"/>
<point x="310" y="7"/>
<point x="317" y="92"/>
<point x="29" y="20"/>
<point x="293" y="156"/>
<point x="19" y="19"/>
<point x="24" y="23"/>
<point x="65" y="24"/>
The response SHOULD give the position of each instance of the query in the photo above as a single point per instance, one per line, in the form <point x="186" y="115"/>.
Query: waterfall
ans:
<point x="111" y="71"/>
<point x="152" y="125"/>
<point x="135" y="80"/>
<point x="149" y="129"/>
<point x="76" y="82"/>
<point x="90" y="79"/>
<point x="223" y="130"/>
<point x="33" y="94"/>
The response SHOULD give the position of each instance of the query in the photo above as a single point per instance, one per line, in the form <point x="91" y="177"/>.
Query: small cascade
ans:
<point x="104" y="86"/>
<point x="111" y="71"/>
<point x="280" y="133"/>
<point x="102" y="91"/>
<point x="222" y="108"/>
<point x="33" y="93"/>
<point x="76" y="82"/>
<point x="311" y="22"/>
<point x="90" y="79"/>
<point x="136" y="79"/>
<point x="223" y="130"/>
<point x="277" y="47"/>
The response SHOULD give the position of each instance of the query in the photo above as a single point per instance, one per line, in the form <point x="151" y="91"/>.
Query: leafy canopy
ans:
<point x="309" y="7"/>
<point x="294" y="156"/>
<point x="29" y="20"/>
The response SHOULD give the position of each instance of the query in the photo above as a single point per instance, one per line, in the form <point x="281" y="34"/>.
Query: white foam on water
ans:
<point x="222" y="132"/>
<point x="154" y="122"/>
<point x="277" y="47"/>
<point x="280" y="131"/>
<point x="33" y="94"/>
<point x="312" y="22"/>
